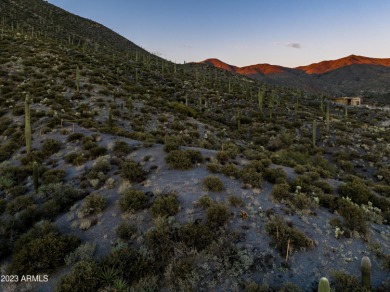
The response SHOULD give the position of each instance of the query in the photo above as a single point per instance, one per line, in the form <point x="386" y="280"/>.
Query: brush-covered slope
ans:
<point x="144" y="175"/>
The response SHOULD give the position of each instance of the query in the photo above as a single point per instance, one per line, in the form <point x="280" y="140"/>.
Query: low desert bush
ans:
<point x="50" y="146"/>
<point x="217" y="215"/>
<point x="275" y="175"/>
<point x="345" y="282"/>
<point x="42" y="254"/>
<point x="213" y="183"/>
<point x="83" y="272"/>
<point x="165" y="205"/>
<point x="133" y="200"/>
<point x="53" y="176"/>
<point x="281" y="192"/>
<point x="356" y="191"/>
<point x="183" y="159"/>
<point x="204" y="202"/>
<point x="197" y="236"/>
<point x="126" y="230"/>
<point x="132" y="171"/>
<point x="281" y="233"/>
<point x="93" y="204"/>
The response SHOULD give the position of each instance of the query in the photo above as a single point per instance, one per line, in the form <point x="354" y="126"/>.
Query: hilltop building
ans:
<point x="348" y="100"/>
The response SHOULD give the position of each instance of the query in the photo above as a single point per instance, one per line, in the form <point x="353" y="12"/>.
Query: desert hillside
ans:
<point x="122" y="171"/>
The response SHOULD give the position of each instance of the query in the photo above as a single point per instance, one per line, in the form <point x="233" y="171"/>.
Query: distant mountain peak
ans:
<point x="326" y="66"/>
<point x="264" y="69"/>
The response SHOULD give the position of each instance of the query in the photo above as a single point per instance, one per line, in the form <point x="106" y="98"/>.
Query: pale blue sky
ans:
<point x="280" y="32"/>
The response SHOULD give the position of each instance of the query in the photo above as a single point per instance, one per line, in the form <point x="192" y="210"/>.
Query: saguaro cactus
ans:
<point x="314" y="132"/>
<point x="323" y="285"/>
<point x="35" y="176"/>
<point x="27" y="123"/>
<point x="327" y="117"/>
<point x="260" y="97"/>
<point x="78" y="79"/>
<point x="366" y="272"/>
<point x="238" y="118"/>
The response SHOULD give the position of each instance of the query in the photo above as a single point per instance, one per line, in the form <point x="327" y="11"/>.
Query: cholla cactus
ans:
<point x="338" y="232"/>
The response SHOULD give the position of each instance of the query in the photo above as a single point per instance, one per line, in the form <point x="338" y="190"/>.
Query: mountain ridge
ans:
<point x="352" y="74"/>
<point x="314" y="68"/>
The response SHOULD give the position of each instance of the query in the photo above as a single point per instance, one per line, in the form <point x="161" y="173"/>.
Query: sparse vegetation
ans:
<point x="87" y="120"/>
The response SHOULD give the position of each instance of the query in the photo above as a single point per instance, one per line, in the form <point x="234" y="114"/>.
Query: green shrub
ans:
<point x="236" y="201"/>
<point x="230" y="170"/>
<point x="204" y="201"/>
<point x="43" y="254"/>
<point x="231" y="149"/>
<point x="165" y="205"/>
<point x="76" y="158"/>
<point x="53" y="176"/>
<point x="93" y="204"/>
<point x="84" y="277"/>
<point x="132" y="171"/>
<point x="7" y="150"/>
<point x="281" y="192"/>
<point x="356" y="191"/>
<point x="217" y="215"/>
<point x="121" y="148"/>
<point x="253" y="287"/>
<point x="133" y="200"/>
<point x="128" y="264"/>
<point x="289" y="287"/>
<point x="275" y="175"/>
<point x="213" y="183"/>
<point x="102" y="164"/>
<point x="60" y="198"/>
<point x="126" y="230"/>
<point x="250" y="176"/>
<point x="74" y="137"/>
<point x="197" y="236"/>
<point x="281" y="233"/>
<point x="17" y="191"/>
<point x="183" y="159"/>
<point x="222" y="157"/>
<point x="213" y="167"/>
<point x="354" y="216"/>
<point x="345" y="282"/>
<point x="172" y="143"/>
<point x="183" y="109"/>
<point x="3" y="205"/>
<point x="95" y="152"/>
<point x="19" y="203"/>
<point x="50" y="147"/>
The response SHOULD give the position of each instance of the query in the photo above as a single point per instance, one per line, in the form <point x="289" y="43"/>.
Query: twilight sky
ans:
<point x="279" y="32"/>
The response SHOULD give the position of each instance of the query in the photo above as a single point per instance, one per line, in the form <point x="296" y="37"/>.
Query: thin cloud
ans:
<point x="290" y="45"/>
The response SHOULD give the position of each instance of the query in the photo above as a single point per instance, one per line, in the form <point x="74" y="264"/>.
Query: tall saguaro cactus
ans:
<point x="366" y="272"/>
<point x="27" y="123"/>
<point x="238" y="118"/>
<point x="314" y="133"/>
<point x="260" y="97"/>
<point x="327" y="117"/>
<point x="78" y="79"/>
<point x="323" y="285"/>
